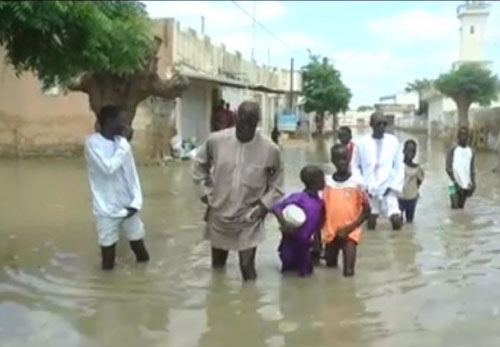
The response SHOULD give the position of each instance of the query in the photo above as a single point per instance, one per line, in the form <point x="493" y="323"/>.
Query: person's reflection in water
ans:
<point x="344" y="315"/>
<point x="232" y="317"/>
<point x="300" y="303"/>
<point x="405" y="249"/>
<point x="124" y="321"/>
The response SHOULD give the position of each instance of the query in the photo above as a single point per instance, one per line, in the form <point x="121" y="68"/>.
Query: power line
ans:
<point x="261" y="25"/>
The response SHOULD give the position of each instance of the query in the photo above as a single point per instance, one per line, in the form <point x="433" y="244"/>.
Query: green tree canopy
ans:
<point x="324" y="90"/>
<point x="470" y="83"/>
<point x="102" y="48"/>
<point x="418" y="85"/>
<point x="59" y="40"/>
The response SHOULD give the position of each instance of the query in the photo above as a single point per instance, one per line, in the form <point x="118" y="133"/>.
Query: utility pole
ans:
<point x="203" y="25"/>
<point x="290" y="105"/>
<point x="268" y="57"/>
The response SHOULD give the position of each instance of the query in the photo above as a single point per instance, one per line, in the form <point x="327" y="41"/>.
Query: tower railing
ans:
<point x="473" y="6"/>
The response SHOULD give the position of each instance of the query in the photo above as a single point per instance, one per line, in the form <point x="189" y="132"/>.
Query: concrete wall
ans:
<point x="484" y="121"/>
<point x="199" y="53"/>
<point x="195" y="110"/>
<point x="33" y="123"/>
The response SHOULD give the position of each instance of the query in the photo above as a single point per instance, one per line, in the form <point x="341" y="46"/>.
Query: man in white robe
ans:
<point x="240" y="176"/>
<point x="378" y="158"/>
<point x="114" y="185"/>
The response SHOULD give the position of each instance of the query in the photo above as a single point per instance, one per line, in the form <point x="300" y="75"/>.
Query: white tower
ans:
<point x="473" y="16"/>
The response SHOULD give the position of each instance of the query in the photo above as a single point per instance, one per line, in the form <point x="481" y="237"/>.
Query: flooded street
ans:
<point x="435" y="283"/>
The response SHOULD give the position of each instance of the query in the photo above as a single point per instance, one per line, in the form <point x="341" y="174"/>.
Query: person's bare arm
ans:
<point x="449" y="164"/>
<point x="365" y="212"/>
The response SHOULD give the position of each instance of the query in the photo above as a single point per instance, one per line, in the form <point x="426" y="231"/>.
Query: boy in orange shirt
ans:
<point x="346" y="207"/>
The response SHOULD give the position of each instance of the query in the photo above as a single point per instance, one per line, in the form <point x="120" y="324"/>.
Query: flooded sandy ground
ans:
<point x="435" y="283"/>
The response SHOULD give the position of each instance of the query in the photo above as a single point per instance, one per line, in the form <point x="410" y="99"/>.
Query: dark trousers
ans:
<point x="407" y="208"/>
<point x="459" y="198"/>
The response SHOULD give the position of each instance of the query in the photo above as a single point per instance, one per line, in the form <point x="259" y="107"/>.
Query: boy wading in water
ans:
<point x="460" y="168"/>
<point x="114" y="185"/>
<point x="294" y="248"/>
<point x="345" y="138"/>
<point x="347" y="207"/>
<point x="414" y="176"/>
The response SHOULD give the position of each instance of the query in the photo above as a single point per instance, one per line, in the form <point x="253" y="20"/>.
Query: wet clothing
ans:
<point x="344" y="202"/>
<point x="235" y="176"/>
<point x="294" y="248"/>
<point x="408" y="208"/>
<point x="112" y="174"/>
<point x="114" y="186"/>
<point x="460" y="165"/>
<point x="108" y="229"/>
<point x="380" y="163"/>
<point x="413" y="175"/>
<point x="460" y="162"/>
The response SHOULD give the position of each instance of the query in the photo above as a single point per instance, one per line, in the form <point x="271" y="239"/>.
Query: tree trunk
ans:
<point x="463" y="105"/>
<point x="320" y="122"/>
<point x="334" y="126"/>
<point x="129" y="90"/>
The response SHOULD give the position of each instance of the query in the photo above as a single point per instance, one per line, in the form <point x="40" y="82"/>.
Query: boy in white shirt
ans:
<point x="460" y="168"/>
<point x="114" y="185"/>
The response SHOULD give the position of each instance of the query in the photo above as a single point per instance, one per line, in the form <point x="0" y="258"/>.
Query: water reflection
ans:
<point x="433" y="284"/>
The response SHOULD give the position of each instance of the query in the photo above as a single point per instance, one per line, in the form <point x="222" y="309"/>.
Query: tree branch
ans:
<point x="169" y="89"/>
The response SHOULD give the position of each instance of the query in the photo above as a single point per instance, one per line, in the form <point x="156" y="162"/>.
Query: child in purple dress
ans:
<point x="295" y="245"/>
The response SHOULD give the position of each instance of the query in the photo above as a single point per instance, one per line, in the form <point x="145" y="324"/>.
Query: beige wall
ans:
<point x="34" y="123"/>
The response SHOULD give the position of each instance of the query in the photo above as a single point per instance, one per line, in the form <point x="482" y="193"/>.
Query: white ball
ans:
<point x="294" y="215"/>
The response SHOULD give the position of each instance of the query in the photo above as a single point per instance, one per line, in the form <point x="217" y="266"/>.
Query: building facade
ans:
<point x="37" y="123"/>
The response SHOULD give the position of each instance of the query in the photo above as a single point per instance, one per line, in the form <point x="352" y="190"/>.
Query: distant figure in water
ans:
<point x="414" y="176"/>
<point x="114" y="185"/>
<point x="461" y="170"/>
<point x="345" y="138"/>
<point x="296" y="242"/>
<point x="347" y="207"/>
<point x="379" y="160"/>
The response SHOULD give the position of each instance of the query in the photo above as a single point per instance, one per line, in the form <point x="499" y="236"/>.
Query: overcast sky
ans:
<point x="377" y="46"/>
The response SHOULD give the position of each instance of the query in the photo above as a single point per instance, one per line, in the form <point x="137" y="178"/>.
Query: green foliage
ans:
<point x="469" y="83"/>
<point x="418" y="85"/>
<point x="59" y="40"/>
<point x="323" y="87"/>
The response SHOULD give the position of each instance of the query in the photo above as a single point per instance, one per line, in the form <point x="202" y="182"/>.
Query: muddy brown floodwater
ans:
<point x="435" y="283"/>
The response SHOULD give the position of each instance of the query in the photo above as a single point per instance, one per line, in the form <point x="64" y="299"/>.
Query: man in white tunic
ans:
<point x="379" y="160"/>
<point x="114" y="185"/>
<point x="461" y="170"/>
<point x="240" y="176"/>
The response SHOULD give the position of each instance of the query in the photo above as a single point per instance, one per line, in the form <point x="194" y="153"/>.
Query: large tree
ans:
<point x="469" y="83"/>
<point x="419" y="86"/>
<point x="324" y="91"/>
<point x="102" y="48"/>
